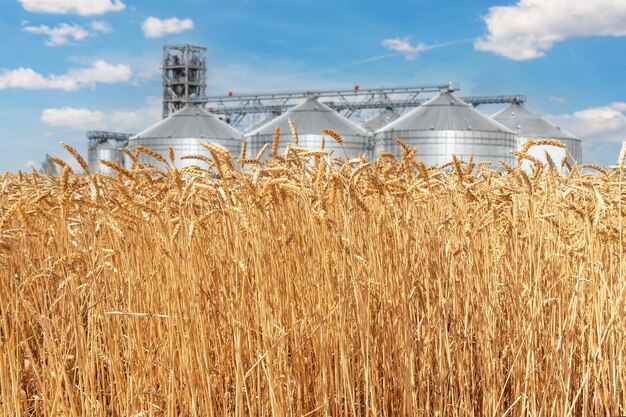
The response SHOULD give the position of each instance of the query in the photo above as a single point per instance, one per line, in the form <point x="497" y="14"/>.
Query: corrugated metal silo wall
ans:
<point x="438" y="146"/>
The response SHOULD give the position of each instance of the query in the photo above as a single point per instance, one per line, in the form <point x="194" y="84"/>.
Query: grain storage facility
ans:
<point x="445" y="126"/>
<point x="184" y="131"/>
<point x="528" y="124"/>
<point x="309" y="118"/>
<point x="106" y="146"/>
<point x="381" y="120"/>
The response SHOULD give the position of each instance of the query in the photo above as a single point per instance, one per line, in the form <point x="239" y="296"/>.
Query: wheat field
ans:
<point x="304" y="284"/>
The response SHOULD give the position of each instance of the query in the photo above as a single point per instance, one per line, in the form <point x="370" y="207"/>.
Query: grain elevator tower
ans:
<point x="184" y="77"/>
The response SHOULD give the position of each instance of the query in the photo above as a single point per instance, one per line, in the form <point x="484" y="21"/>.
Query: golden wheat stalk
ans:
<point x="595" y="167"/>
<point x="275" y="141"/>
<point x="550" y="142"/>
<point x="136" y="164"/>
<point x="333" y="134"/>
<point x="151" y="153"/>
<point x="528" y="144"/>
<point x="249" y="161"/>
<point x="118" y="168"/>
<point x="61" y="163"/>
<point x="77" y="157"/>
<point x="242" y="153"/>
<point x="262" y="151"/>
<point x="537" y="164"/>
<point x="294" y="132"/>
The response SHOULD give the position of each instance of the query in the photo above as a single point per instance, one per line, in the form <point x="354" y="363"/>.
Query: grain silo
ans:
<point x="445" y="126"/>
<point x="263" y="122"/>
<point x="528" y="124"/>
<point x="105" y="146"/>
<point x="309" y="118"/>
<point x="184" y="131"/>
<point x="381" y="120"/>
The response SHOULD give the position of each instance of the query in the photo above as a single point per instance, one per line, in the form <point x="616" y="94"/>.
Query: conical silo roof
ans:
<point x="184" y="132"/>
<point x="310" y="117"/>
<point x="445" y="112"/>
<point x="190" y="122"/>
<point x="382" y="119"/>
<point x="263" y="122"/>
<point x="528" y="124"/>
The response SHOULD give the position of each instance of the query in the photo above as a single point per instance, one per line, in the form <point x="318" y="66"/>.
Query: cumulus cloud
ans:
<point x="403" y="45"/>
<point x="81" y="7"/>
<point x="99" y="72"/>
<point x="155" y="28"/>
<point x="603" y="124"/>
<point x="59" y="35"/>
<point x="531" y="27"/>
<point x="71" y="117"/>
<point x="101" y="27"/>
<point x="80" y="119"/>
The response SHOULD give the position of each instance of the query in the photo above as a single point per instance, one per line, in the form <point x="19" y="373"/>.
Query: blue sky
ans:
<point x="72" y="65"/>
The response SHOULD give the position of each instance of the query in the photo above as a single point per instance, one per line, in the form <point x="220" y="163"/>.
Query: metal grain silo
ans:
<point x="108" y="146"/>
<point x="445" y="126"/>
<point x="309" y="118"/>
<point x="184" y="131"/>
<point x="107" y="150"/>
<point x="528" y="124"/>
<point x="381" y="120"/>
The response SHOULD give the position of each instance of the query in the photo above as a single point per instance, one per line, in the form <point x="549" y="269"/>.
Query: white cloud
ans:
<point x="81" y="7"/>
<point x="59" y="35"/>
<point x="28" y="79"/>
<point x="80" y="119"/>
<point x="531" y="27"/>
<point x="71" y="117"/>
<point x="404" y="45"/>
<point x="101" y="27"/>
<point x="99" y="72"/>
<point x="603" y="124"/>
<point x="155" y="28"/>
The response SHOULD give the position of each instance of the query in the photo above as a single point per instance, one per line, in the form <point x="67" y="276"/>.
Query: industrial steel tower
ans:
<point x="184" y="77"/>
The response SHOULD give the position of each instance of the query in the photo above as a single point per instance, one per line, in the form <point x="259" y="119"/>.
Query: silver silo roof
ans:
<point x="190" y="122"/>
<point x="261" y="123"/>
<point x="445" y="112"/>
<point x="309" y="118"/>
<point x="445" y="126"/>
<point x="184" y="131"/>
<point x="528" y="124"/>
<point x="381" y="120"/>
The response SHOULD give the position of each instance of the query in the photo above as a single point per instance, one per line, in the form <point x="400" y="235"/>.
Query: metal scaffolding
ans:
<point x="238" y="109"/>
<point x="97" y="137"/>
<point x="184" y="76"/>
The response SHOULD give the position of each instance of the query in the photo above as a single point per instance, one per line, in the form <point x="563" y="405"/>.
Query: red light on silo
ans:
<point x="356" y="88"/>
<point x="230" y="94"/>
